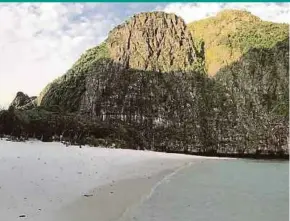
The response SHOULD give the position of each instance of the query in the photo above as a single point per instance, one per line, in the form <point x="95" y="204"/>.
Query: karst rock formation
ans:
<point x="214" y="86"/>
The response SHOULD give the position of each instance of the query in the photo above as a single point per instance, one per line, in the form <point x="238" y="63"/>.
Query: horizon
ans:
<point x="44" y="54"/>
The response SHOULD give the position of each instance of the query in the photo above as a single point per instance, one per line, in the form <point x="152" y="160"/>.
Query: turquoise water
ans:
<point x="221" y="190"/>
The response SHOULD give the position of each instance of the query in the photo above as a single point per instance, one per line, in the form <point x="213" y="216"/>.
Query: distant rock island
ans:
<point x="214" y="87"/>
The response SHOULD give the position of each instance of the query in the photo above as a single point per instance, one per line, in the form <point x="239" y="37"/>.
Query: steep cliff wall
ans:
<point x="147" y="86"/>
<point x="156" y="41"/>
<point x="232" y="33"/>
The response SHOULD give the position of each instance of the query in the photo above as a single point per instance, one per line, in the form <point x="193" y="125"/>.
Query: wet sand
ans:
<point x="109" y="202"/>
<point x="48" y="181"/>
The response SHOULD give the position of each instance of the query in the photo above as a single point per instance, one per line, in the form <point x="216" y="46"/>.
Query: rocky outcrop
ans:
<point x="226" y="37"/>
<point x="255" y="100"/>
<point x="154" y="41"/>
<point x="23" y="101"/>
<point x="146" y="86"/>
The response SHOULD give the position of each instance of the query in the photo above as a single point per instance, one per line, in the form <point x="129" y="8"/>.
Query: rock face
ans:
<point x="256" y="102"/>
<point x="152" y="42"/>
<point x="23" y="101"/>
<point x="230" y="34"/>
<point x="147" y="85"/>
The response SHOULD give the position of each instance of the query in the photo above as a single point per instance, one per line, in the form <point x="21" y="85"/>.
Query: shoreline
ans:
<point x="236" y="155"/>
<point x="218" y="155"/>
<point x="111" y="202"/>
<point x="127" y="213"/>
<point x="48" y="179"/>
<point x="73" y="184"/>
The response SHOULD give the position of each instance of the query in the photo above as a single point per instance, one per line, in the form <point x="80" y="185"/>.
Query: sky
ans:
<point x="40" y="41"/>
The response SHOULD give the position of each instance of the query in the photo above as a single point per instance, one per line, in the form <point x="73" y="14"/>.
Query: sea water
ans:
<point x="221" y="190"/>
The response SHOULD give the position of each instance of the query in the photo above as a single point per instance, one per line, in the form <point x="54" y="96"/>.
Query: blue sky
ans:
<point x="39" y="42"/>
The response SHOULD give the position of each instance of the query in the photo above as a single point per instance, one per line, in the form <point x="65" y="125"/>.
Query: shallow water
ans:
<point x="230" y="190"/>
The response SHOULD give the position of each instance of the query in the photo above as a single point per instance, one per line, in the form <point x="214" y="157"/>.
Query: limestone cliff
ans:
<point x="230" y="34"/>
<point x="148" y="86"/>
<point x="152" y="42"/>
<point x="155" y="41"/>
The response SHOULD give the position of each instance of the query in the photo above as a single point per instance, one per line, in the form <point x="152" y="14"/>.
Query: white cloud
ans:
<point x="275" y="12"/>
<point x="40" y="41"/>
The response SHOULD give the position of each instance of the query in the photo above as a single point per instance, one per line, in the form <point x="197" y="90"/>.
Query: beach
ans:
<point x="49" y="181"/>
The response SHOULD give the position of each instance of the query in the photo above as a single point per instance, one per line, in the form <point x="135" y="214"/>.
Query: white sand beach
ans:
<point x="49" y="181"/>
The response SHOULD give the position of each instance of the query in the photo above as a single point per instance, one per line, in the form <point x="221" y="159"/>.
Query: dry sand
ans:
<point x="51" y="182"/>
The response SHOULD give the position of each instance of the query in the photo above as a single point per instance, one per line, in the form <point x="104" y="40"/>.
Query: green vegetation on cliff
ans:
<point x="232" y="33"/>
<point x="67" y="90"/>
<point x="147" y="86"/>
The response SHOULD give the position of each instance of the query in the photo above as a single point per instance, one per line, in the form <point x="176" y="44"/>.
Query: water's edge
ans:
<point x="165" y="175"/>
<point x="258" y="156"/>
